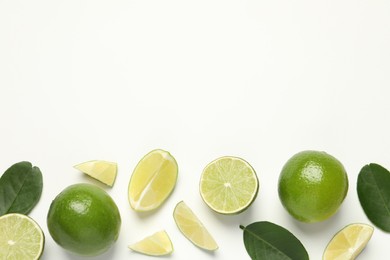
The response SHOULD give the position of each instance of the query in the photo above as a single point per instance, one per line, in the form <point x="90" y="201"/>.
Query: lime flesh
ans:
<point x="21" y="237"/>
<point x="229" y="185"/>
<point x="158" y="244"/>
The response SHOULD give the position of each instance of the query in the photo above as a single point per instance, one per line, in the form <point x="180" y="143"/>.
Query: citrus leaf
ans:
<point x="373" y="188"/>
<point x="265" y="240"/>
<point x="20" y="188"/>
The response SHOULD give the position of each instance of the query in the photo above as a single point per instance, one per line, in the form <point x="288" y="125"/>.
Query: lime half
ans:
<point x="157" y="244"/>
<point x="21" y="237"/>
<point x="102" y="171"/>
<point x="229" y="185"/>
<point x="191" y="227"/>
<point x="349" y="242"/>
<point x="152" y="181"/>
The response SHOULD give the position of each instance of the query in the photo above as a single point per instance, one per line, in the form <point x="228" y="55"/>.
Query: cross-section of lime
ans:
<point x="20" y="237"/>
<point x="102" y="171"/>
<point x="157" y="244"/>
<point x="152" y="181"/>
<point x="349" y="242"/>
<point x="191" y="227"/>
<point x="229" y="185"/>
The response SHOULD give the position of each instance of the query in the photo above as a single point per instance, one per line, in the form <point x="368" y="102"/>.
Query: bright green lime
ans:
<point x="312" y="186"/>
<point x="84" y="219"/>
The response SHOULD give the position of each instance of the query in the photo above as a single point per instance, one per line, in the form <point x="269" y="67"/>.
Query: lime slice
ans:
<point x="348" y="242"/>
<point x="152" y="181"/>
<point x="102" y="171"/>
<point x="157" y="244"/>
<point x="229" y="185"/>
<point x="21" y="237"/>
<point x="192" y="228"/>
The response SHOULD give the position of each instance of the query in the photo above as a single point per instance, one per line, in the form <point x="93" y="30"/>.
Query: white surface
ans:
<point x="112" y="80"/>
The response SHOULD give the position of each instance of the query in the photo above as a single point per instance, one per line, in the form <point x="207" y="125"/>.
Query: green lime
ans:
<point x="229" y="185"/>
<point x="84" y="219"/>
<point x="312" y="186"/>
<point x="21" y="237"/>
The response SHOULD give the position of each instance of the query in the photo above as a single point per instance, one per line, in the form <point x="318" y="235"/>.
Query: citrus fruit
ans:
<point x="349" y="242"/>
<point x="84" y="219"/>
<point x="312" y="185"/>
<point x="152" y="181"/>
<point x="21" y="237"/>
<point x="229" y="185"/>
<point x="102" y="171"/>
<point x="191" y="227"/>
<point x="157" y="244"/>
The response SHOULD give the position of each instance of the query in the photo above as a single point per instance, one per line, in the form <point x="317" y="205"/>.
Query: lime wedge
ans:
<point x="102" y="171"/>
<point x="21" y="237"/>
<point x="229" y="185"/>
<point x="152" y="181"/>
<point x="157" y="244"/>
<point x="348" y="242"/>
<point x="191" y="227"/>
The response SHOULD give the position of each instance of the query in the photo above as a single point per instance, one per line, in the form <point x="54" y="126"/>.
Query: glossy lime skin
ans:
<point x="84" y="219"/>
<point x="312" y="186"/>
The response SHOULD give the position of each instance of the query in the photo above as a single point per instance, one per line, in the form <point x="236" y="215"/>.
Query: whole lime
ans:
<point x="84" y="219"/>
<point x="312" y="186"/>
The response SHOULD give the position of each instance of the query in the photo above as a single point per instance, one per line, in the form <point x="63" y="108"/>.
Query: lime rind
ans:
<point x="21" y="237"/>
<point x="229" y="185"/>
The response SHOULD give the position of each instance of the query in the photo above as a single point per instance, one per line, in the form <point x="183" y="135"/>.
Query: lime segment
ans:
<point x="229" y="185"/>
<point x="152" y="181"/>
<point x="349" y="242"/>
<point x="21" y="237"/>
<point x="102" y="171"/>
<point x="157" y="244"/>
<point x="191" y="227"/>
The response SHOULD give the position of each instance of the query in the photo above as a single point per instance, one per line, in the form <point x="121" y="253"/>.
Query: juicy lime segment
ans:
<point x="102" y="171"/>
<point x="157" y="244"/>
<point x="229" y="185"/>
<point x="191" y="227"/>
<point x="312" y="185"/>
<point x="349" y="242"/>
<point x="84" y="219"/>
<point x="152" y="181"/>
<point x="21" y="237"/>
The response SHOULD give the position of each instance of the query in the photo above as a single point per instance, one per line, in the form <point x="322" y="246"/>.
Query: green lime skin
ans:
<point x="84" y="219"/>
<point x="312" y="185"/>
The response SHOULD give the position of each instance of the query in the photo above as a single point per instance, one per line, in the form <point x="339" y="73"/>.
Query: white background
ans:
<point x="112" y="80"/>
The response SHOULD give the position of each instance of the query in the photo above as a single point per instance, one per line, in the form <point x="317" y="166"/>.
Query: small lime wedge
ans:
<point x="191" y="227"/>
<point x="152" y="181"/>
<point x="21" y="237"/>
<point x="349" y="242"/>
<point x="229" y="185"/>
<point x="157" y="244"/>
<point x="102" y="171"/>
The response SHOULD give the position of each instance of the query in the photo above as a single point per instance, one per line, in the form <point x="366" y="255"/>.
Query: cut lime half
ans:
<point x="152" y="181"/>
<point x="349" y="242"/>
<point x="21" y="237"/>
<point x="229" y="185"/>
<point x="102" y="171"/>
<point x="191" y="227"/>
<point x="157" y="244"/>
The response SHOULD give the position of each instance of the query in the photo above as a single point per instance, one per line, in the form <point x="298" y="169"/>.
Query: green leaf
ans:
<point x="20" y="188"/>
<point x="373" y="188"/>
<point x="265" y="240"/>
